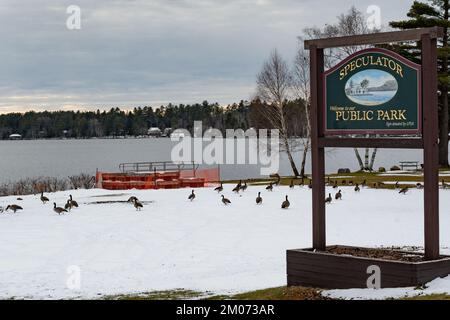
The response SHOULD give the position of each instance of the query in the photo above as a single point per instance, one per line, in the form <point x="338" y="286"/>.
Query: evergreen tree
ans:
<point x="429" y="14"/>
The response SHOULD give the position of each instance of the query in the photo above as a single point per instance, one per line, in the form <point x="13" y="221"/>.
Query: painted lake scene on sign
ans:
<point x="371" y="87"/>
<point x="374" y="91"/>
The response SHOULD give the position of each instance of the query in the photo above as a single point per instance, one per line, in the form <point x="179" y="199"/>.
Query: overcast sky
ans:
<point x="150" y="52"/>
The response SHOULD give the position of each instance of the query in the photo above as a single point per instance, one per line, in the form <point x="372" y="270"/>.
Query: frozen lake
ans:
<point x="60" y="158"/>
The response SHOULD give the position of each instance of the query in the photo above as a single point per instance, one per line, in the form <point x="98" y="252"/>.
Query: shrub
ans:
<point x="46" y="184"/>
<point x="82" y="181"/>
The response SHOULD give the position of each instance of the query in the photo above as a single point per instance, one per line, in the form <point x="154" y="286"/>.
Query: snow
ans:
<point x="401" y="173"/>
<point x="204" y="245"/>
<point x="342" y="177"/>
<point x="402" y="182"/>
<point x="410" y="174"/>
<point x="438" y="286"/>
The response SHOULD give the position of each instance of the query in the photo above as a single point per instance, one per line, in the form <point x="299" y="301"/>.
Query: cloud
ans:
<point x="143" y="52"/>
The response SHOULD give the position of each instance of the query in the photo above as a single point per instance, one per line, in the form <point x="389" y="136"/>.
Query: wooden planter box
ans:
<point x="331" y="271"/>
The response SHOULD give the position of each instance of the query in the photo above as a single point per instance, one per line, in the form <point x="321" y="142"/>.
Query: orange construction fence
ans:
<point x="158" y="180"/>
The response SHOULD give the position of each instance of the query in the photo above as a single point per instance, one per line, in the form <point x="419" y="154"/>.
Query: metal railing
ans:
<point x="143" y="167"/>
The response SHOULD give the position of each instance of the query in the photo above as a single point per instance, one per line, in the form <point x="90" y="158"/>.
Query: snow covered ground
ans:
<point x="204" y="245"/>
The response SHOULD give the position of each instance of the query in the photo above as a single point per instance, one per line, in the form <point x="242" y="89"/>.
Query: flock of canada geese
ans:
<point x="71" y="203"/>
<point x="285" y="204"/>
<point x="243" y="187"/>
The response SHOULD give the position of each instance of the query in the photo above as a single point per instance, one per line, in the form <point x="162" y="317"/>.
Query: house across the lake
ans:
<point x="154" y="132"/>
<point x="357" y="90"/>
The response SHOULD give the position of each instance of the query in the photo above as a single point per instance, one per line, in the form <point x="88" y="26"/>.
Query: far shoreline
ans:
<point x="87" y="138"/>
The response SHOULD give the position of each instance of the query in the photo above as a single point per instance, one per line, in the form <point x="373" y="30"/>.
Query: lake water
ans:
<point x="61" y="158"/>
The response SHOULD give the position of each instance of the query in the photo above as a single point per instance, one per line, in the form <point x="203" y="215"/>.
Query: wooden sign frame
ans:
<point x="428" y="141"/>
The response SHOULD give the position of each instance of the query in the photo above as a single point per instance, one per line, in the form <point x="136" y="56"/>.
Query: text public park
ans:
<point x="370" y="115"/>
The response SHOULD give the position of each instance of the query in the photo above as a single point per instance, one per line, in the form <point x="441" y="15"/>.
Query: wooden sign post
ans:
<point x="343" y="94"/>
<point x="428" y="142"/>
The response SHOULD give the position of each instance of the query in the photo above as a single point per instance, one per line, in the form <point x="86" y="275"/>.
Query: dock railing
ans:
<point x="149" y="167"/>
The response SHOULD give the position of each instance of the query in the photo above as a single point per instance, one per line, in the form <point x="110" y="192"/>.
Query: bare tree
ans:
<point x="372" y="161"/>
<point x="301" y="85"/>
<point x="366" y="159"/>
<point x="274" y="85"/>
<point x="351" y="23"/>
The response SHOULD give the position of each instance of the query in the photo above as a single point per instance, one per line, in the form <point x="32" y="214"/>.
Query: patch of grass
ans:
<point x="178" y="294"/>
<point x="280" y="293"/>
<point x="274" y="294"/>
<point x="430" y="297"/>
<point x="373" y="180"/>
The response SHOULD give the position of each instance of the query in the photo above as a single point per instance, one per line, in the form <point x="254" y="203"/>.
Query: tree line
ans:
<point x="136" y="122"/>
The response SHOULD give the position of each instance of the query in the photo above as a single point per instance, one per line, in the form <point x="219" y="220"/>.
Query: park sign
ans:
<point x="382" y="93"/>
<point x="374" y="91"/>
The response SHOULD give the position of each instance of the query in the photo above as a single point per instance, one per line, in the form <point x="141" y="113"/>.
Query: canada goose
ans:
<point x="133" y="199"/>
<point x="1" y="209"/>
<point x="73" y="203"/>
<point x="225" y="200"/>
<point x="259" y="200"/>
<point x="404" y="190"/>
<point x="58" y="210"/>
<point x="338" y="195"/>
<point x="292" y="184"/>
<point x="357" y="188"/>
<point x="192" y="196"/>
<point x="286" y="204"/>
<point x="244" y="187"/>
<point x="329" y="199"/>
<point x="238" y="187"/>
<point x="310" y="185"/>
<point x="14" y="208"/>
<point x="138" y="205"/>
<point x="220" y="188"/>
<point x="270" y="187"/>
<point x="419" y="186"/>
<point x="19" y="199"/>
<point x="68" y="206"/>
<point x="44" y="199"/>
<point x="335" y="186"/>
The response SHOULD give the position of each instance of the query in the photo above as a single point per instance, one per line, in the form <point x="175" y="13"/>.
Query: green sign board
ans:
<point x="374" y="91"/>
